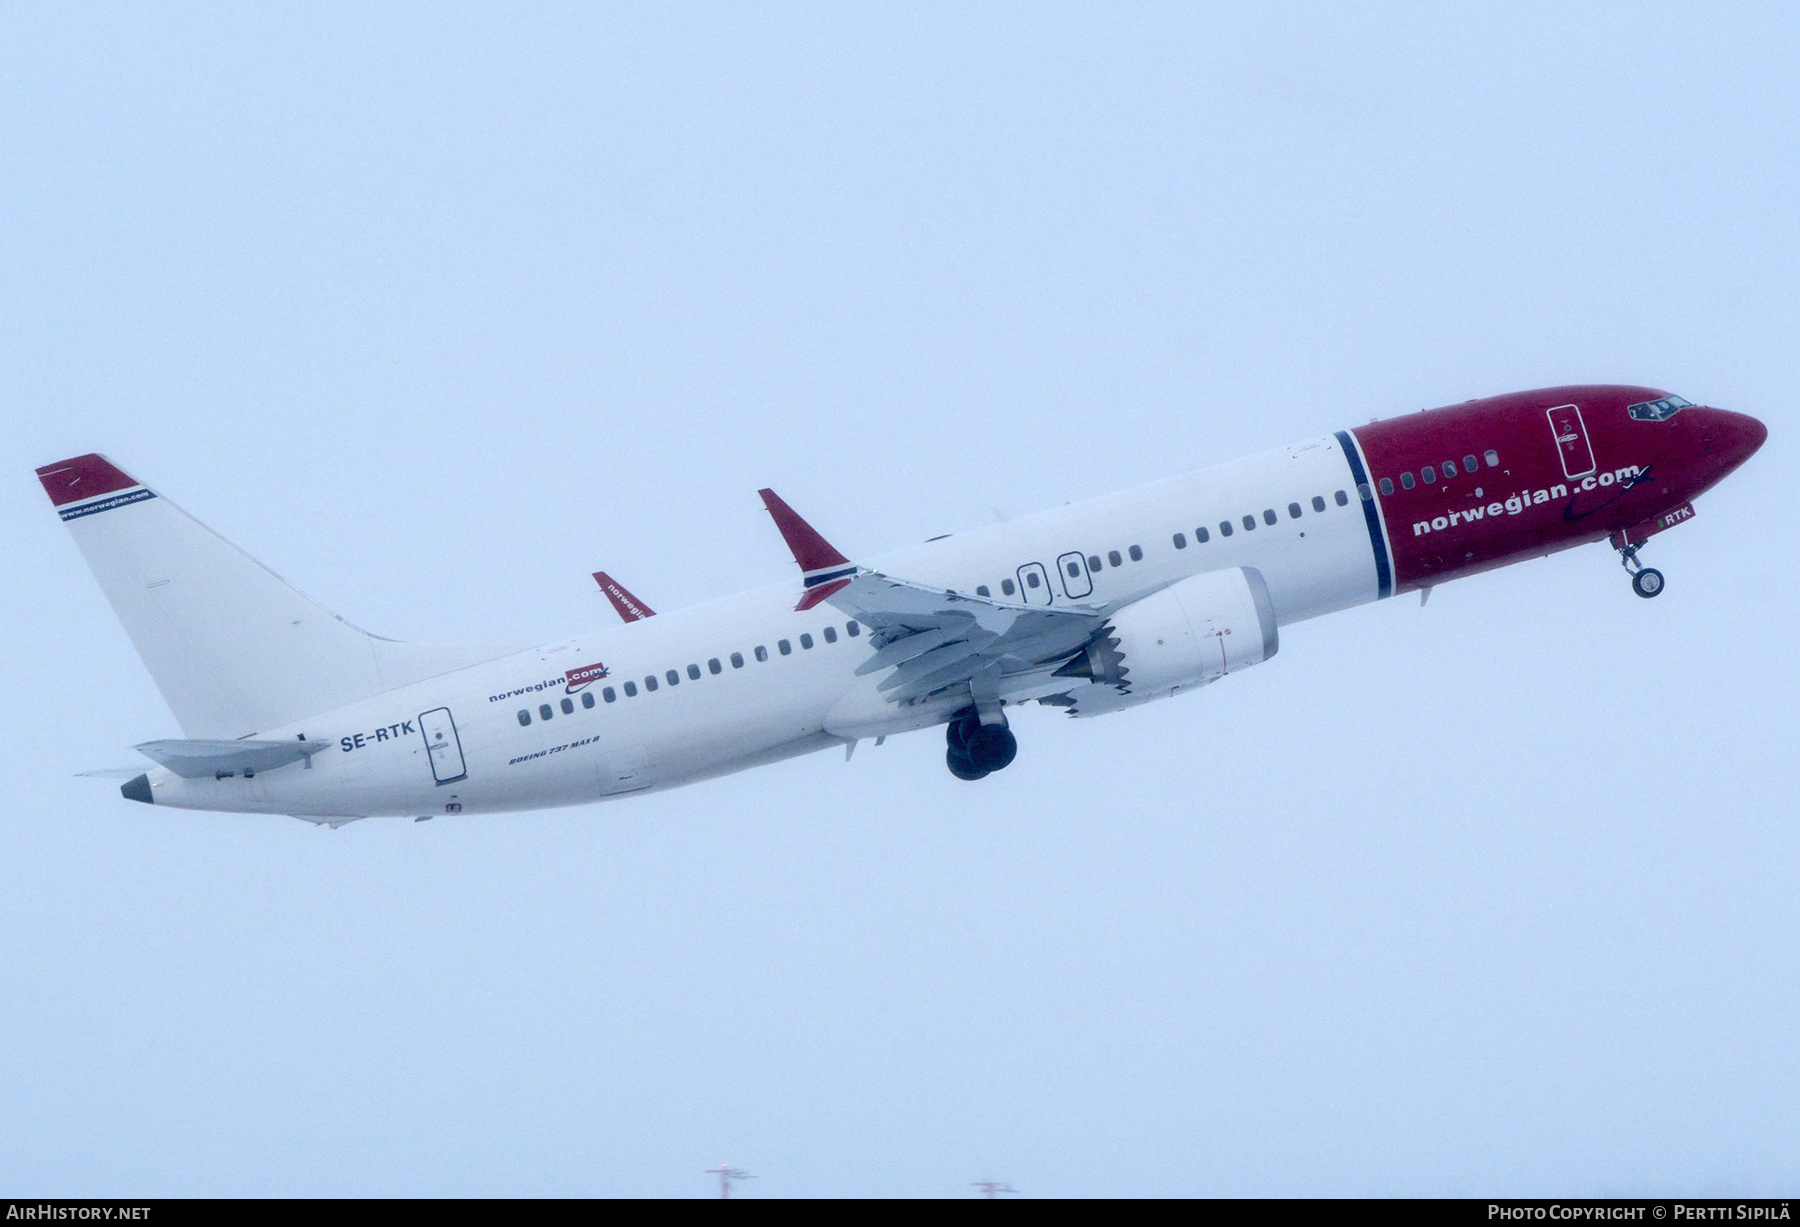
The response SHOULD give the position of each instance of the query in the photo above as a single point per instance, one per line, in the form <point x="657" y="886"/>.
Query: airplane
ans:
<point x="1091" y="608"/>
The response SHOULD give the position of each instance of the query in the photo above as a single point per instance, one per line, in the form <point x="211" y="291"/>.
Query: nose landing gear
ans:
<point x="976" y="749"/>
<point x="1645" y="581"/>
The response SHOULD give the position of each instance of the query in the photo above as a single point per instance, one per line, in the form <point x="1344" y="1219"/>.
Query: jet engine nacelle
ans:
<point x="1191" y="633"/>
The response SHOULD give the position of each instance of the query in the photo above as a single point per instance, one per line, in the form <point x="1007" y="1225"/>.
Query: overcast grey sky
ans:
<point x="437" y="309"/>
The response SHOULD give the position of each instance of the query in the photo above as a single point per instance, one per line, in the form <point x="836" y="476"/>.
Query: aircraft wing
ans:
<point x="196" y="760"/>
<point x="628" y="607"/>
<point x="934" y="640"/>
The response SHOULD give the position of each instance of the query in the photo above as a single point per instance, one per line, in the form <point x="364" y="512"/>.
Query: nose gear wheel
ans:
<point x="1645" y="581"/>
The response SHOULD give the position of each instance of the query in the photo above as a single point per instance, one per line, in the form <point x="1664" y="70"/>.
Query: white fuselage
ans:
<point x="778" y="703"/>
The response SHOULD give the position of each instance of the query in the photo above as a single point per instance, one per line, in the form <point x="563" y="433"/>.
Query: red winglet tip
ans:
<point x="82" y="477"/>
<point x="629" y="607"/>
<point x="811" y="551"/>
<point x="815" y="596"/>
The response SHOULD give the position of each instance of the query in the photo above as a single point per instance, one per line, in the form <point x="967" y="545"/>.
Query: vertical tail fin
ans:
<point x="233" y="647"/>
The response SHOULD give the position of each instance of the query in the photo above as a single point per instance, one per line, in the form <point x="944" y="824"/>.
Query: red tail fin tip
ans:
<point x="82" y="477"/>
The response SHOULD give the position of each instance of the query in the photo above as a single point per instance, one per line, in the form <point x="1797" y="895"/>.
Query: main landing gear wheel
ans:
<point x="975" y="749"/>
<point x="961" y="767"/>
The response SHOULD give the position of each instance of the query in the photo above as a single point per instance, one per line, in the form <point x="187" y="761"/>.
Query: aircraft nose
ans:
<point x="1736" y="435"/>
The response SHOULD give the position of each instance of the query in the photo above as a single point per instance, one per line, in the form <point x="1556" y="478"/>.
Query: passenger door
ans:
<point x="1034" y="584"/>
<point x="1571" y="440"/>
<point x="443" y="745"/>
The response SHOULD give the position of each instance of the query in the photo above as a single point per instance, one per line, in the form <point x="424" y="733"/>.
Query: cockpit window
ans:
<point x="1658" y="410"/>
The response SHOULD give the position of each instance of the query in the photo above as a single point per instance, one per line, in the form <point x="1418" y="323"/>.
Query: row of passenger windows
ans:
<point x="1136" y="552"/>
<point x="1428" y="475"/>
<point x="672" y="677"/>
<point x="1202" y="534"/>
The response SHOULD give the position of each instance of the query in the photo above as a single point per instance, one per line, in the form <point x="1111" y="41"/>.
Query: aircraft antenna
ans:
<point x="728" y="1175"/>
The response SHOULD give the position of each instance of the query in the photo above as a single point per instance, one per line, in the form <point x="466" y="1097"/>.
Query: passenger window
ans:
<point x="1406" y="479"/>
<point x="1319" y="502"/>
<point x="787" y="649"/>
<point x="545" y="711"/>
<point x="714" y="667"/>
<point x="1387" y="486"/>
<point x="524" y="715"/>
<point x="1343" y="500"/>
<point x="762" y="653"/>
<point x="587" y="698"/>
<point x="1181" y="541"/>
<point x="568" y="706"/>
<point x="1224" y="528"/>
<point x="1074" y="570"/>
<point x="1006" y="586"/>
<point x="1031" y="579"/>
<point x="1294" y="510"/>
<point x="674" y="677"/>
<point x="853" y="629"/>
<point x="694" y="673"/>
<point x="1249" y="523"/>
<point x="1428" y="475"/>
<point x="1093" y="562"/>
<point x="737" y="660"/>
<point x="631" y="690"/>
<point x="1268" y="515"/>
<point x="806" y="641"/>
<point x="1202" y="536"/>
<point x="1492" y="457"/>
<point x="1470" y="464"/>
<point x="1112" y="556"/>
<point x="1137" y="553"/>
<point x="831" y="634"/>
<point x="609" y="694"/>
<point x="650" y="681"/>
<point x="982" y="590"/>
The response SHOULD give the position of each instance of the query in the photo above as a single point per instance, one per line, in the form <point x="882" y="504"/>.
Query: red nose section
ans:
<point x="1736" y="435"/>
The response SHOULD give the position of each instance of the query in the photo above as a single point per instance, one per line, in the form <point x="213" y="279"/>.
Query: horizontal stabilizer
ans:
<point x="199" y="760"/>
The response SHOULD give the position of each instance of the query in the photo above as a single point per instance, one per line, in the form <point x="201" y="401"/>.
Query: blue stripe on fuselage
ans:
<point x="1384" y="574"/>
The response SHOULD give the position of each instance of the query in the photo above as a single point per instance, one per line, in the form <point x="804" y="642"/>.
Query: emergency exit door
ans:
<point x="1571" y="440"/>
<point x="1072" y="569"/>
<point x="444" y="746"/>
<point x="1034" y="584"/>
